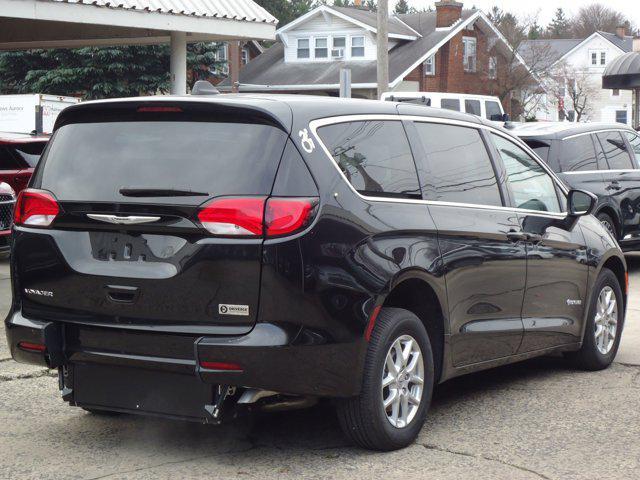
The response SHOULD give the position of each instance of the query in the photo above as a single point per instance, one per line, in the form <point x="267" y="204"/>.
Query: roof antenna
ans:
<point x="203" y="87"/>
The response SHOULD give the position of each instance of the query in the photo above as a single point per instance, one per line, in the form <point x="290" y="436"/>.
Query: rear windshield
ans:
<point x="94" y="161"/>
<point x="30" y="152"/>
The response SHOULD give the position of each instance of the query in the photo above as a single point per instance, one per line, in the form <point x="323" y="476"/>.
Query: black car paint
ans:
<point x="318" y="287"/>
<point x="618" y="190"/>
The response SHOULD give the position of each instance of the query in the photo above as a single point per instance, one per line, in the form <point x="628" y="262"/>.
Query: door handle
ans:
<point x="516" y="236"/>
<point x="614" y="185"/>
<point x="533" y="237"/>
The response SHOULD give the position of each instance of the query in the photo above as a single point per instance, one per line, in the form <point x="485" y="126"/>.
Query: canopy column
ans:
<point x="178" y="63"/>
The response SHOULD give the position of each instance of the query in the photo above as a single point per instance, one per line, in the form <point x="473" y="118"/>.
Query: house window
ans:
<point x="470" y="53"/>
<point x="338" y="46"/>
<point x="357" y="47"/>
<point x="621" y="116"/>
<point x="598" y="58"/>
<point x="594" y="58"/>
<point x="430" y="65"/>
<point x="303" y="48"/>
<point x="322" y="48"/>
<point x="615" y="92"/>
<point x="493" y="67"/>
<point x="245" y="56"/>
<point x="603" y="58"/>
<point x="221" y="55"/>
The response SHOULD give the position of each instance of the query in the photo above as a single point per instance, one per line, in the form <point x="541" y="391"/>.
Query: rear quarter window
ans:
<point x="374" y="156"/>
<point x="578" y="154"/>
<point x="615" y="150"/>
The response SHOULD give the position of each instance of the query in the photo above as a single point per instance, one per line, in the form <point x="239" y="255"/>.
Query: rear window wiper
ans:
<point x="159" y="192"/>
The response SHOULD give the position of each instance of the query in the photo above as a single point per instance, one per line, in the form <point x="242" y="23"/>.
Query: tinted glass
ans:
<point x="7" y="160"/>
<point x="374" y="156"/>
<point x="615" y="150"/>
<point x="541" y="148"/>
<point x="93" y="161"/>
<point x="578" y="154"/>
<point x="459" y="165"/>
<point x="531" y="186"/>
<point x="634" y="140"/>
<point x="450" y="104"/>
<point x="473" y="107"/>
<point x="493" y="110"/>
<point x="30" y="152"/>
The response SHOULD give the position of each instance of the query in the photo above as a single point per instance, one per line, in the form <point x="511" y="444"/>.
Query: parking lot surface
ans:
<point x="534" y="420"/>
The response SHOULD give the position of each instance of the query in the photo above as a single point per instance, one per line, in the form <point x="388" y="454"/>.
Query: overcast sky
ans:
<point x="544" y="8"/>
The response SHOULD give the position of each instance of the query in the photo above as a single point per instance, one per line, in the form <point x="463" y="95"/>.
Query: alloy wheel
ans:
<point x="606" y="320"/>
<point x="609" y="227"/>
<point x="402" y="381"/>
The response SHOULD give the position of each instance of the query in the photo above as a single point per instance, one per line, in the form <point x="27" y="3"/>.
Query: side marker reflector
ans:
<point x="372" y="322"/>
<point x="229" y="367"/>
<point x="32" y="347"/>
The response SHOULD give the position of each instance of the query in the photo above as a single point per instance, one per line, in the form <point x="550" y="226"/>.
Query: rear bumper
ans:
<point x="271" y="358"/>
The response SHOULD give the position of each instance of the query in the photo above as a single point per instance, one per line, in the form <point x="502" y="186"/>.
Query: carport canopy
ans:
<point x="623" y="73"/>
<point x="27" y="24"/>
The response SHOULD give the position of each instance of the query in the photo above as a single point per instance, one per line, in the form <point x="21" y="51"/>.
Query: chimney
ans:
<point x="448" y="12"/>
<point x="621" y="32"/>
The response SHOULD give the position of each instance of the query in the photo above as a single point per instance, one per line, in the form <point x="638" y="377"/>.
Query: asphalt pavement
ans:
<point x="539" y="419"/>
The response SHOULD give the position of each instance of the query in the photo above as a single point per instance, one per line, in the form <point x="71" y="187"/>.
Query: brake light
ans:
<point x="35" y="208"/>
<point x="255" y="216"/>
<point x="284" y="216"/>
<point x="159" y="109"/>
<point x="32" y="347"/>
<point x="226" y="366"/>
<point x="233" y="216"/>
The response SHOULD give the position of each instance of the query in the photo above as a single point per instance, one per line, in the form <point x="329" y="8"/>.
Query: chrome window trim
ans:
<point x="593" y="132"/>
<point x="314" y="125"/>
<point x="626" y="170"/>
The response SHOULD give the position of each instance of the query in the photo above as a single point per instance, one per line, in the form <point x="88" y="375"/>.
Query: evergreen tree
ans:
<point x="99" y="72"/>
<point x="402" y="7"/>
<point x="535" y="31"/>
<point x="559" y="26"/>
<point x="287" y="10"/>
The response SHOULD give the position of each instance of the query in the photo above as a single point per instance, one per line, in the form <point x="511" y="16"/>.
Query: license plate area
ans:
<point x="122" y="247"/>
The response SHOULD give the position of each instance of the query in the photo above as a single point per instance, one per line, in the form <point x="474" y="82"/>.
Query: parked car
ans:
<point x="601" y="158"/>
<point x="189" y="257"/>
<point x="479" y="105"/>
<point x="19" y="154"/>
<point x="7" y="204"/>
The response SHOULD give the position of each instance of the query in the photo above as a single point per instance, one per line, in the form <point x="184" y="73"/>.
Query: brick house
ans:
<point x="451" y="49"/>
<point x="248" y="51"/>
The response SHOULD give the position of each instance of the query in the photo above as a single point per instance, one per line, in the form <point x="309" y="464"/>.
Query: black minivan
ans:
<point x="601" y="158"/>
<point x="193" y="257"/>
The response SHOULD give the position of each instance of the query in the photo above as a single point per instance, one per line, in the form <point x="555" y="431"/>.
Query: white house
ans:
<point x="580" y="63"/>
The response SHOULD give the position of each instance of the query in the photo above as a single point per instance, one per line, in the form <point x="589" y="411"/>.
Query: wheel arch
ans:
<point x="419" y="293"/>
<point x="611" y="211"/>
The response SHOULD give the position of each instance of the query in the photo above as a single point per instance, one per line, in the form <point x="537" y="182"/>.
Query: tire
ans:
<point x="364" y="419"/>
<point x="594" y="353"/>
<point x="608" y="223"/>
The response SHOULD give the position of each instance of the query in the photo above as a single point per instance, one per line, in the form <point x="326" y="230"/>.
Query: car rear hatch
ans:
<point x="143" y="216"/>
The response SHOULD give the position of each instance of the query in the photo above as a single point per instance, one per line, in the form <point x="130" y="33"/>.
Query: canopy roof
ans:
<point x="74" y="23"/>
<point x="623" y="72"/>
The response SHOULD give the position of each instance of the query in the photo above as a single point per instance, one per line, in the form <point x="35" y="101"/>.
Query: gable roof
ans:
<point x="362" y="18"/>
<point x="270" y="72"/>
<point x="558" y="48"/>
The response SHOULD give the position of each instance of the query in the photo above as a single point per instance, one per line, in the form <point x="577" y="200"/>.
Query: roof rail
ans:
<point x="203" y="87"/>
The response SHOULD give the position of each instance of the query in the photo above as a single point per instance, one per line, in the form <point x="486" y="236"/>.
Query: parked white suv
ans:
<point x="480" y="105"/>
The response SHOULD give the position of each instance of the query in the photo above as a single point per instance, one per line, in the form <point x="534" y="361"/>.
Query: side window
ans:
<point x="473" y="107"/>
<point x="450" y="104"/>
<point x="578" y="154"/>
<point x="374" y="156"/>
<point x="615" y="150"/>
<point x="634" y="140"/>
<point x="459" y="166"/>
<point x="493" y="111"/>
<point x="7" y="160"/>
<point x="531" y="187"/>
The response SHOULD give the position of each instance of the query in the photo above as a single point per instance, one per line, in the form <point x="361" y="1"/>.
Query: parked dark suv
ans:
<point x="190" y="257"/>
<point x="601" y="158"/>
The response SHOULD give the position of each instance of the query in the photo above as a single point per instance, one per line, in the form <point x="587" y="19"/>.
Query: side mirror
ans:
<point x="581" y="203"/>
<point x="506" y="118"/>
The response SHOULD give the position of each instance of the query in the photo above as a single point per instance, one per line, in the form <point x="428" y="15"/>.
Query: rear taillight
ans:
<point x="233" y="216"/>
<point x="35" y="208"/>
<point x="256" y="216"/>
<point x="284" y="216"/>
<point x="32" y="347"/>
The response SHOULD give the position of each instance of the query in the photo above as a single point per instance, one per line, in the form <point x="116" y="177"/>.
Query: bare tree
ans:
<point x="579" y="91"/>
<point x="597" y="17"/>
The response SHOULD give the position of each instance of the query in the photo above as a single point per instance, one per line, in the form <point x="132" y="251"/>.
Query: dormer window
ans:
<point x="303" y="48"/>
<point x="321" y="48"/>
<point x="357" y="47"/>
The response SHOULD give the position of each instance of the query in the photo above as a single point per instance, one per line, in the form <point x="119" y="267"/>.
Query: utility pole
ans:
<point x="383" y="47"/>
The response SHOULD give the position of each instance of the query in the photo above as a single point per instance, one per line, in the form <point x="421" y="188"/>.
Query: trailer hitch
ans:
<point x="215" y="410"/>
